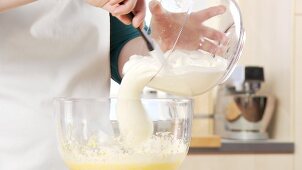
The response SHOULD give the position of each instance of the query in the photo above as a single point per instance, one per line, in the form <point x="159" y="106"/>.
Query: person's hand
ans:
<point x="120" y="9"/>
<point x="165" y="27"/>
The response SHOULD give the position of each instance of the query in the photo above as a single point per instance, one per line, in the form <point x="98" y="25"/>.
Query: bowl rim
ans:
<point x="105" y="99"/>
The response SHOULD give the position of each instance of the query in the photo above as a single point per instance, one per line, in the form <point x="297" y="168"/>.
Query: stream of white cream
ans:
<point x="186" y="74"/>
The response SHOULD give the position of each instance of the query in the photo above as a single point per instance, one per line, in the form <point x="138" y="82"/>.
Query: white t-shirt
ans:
<point x="69" y="59"/>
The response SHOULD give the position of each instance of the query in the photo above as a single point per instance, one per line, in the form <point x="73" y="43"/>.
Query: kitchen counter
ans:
<point x="247" y="147"/>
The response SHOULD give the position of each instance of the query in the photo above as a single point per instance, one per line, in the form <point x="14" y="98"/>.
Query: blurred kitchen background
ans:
<point x="274" y="44"/>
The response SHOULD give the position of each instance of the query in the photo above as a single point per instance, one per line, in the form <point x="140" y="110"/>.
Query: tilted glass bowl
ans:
<point x="201" y="45"/>
<point x="89" y="137"/>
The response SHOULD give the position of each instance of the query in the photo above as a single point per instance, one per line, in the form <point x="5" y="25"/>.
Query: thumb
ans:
<point x="155" y="7"/>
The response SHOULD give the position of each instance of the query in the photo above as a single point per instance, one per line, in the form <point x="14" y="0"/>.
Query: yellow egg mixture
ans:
<point x="119" y="166"/>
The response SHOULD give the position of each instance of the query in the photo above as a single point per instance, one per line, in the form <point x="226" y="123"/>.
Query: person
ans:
<point x="68" y="48"/>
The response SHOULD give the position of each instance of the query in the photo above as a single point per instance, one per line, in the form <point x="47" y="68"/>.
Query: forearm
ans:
<point x="10" y="4"/>
<point x="135" y="46"/>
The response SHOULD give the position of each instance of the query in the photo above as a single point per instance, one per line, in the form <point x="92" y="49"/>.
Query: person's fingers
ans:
<point x="109" y="7"/>
<point x="208" y="13"/>
<point x="97" y="3"/>
<point x="114" y="2"/>
<point x="155" y="8"/>
<point x="209" y="46"/>
<point x="140" y="13"/>
<point x="213" y="34"/>
<point x="138" y="19"/>
<point x="124" y="19"/>
<point x="125" y="8"/>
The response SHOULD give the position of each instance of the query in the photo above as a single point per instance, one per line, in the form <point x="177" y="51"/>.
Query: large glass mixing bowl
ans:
<point x="201" y="41"/>
<point x="89" y="137"/>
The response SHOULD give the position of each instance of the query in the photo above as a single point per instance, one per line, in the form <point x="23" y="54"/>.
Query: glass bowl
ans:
<point x="89" y="137"/>
<point x="199" y="45"/>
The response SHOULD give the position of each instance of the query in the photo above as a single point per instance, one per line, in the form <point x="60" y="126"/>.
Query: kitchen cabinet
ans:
<point x="238" y="162"/>
<point x="299" y="6"/>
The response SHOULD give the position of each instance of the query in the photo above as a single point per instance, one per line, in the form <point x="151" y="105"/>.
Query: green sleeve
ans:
<point x="120" y="34"/>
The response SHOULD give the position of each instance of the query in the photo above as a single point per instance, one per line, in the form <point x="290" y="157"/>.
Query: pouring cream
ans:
<point x="186" y="73"/>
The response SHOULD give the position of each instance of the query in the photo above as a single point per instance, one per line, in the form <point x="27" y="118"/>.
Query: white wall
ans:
<point x="298" y="85"/>
<point x="299" y="6"/>
<point x="269" y="43"/>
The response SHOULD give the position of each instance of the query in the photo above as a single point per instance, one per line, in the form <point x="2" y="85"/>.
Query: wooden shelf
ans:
<point x="206" y="142"/>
